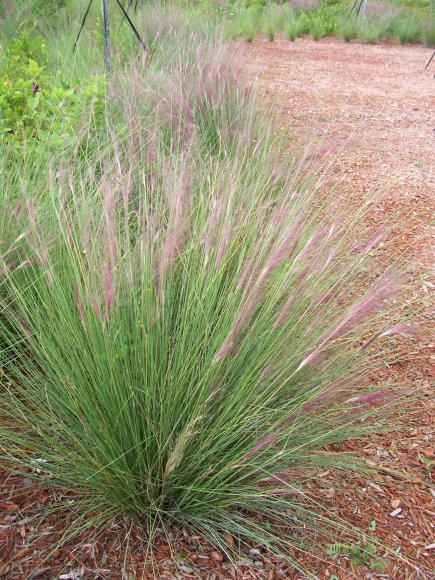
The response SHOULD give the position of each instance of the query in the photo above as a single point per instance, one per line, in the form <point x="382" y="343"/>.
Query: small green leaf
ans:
<point x="34" y="101"/>
<point x="372" y="526"/>
<point x="33" y="68"/>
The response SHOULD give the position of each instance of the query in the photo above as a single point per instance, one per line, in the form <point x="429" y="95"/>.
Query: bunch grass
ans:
<point x="372" y="30"/>
<point x="190" y="323"/>
<point x="315" y="29"/>
<point x="348" y="30"/>
<point x="292" y="27"/>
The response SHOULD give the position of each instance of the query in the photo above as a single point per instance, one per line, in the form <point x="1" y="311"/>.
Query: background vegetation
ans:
<point x="407" y="22"/>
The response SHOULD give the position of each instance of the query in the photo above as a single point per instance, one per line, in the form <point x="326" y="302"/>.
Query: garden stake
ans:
<point x="106" y="32"/>
<point x="106" y="29"/>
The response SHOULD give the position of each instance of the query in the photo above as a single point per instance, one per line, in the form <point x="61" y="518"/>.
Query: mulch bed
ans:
<point x="398" y="513"/>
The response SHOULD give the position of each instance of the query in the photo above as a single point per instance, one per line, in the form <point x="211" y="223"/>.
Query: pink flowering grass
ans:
<point x="194" y="320"/>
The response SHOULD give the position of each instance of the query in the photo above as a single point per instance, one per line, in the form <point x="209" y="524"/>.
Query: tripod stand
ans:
<point x="106" y="28"/>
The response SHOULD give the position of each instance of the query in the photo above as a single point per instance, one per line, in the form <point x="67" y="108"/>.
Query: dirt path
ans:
<point x="372" y="108"/>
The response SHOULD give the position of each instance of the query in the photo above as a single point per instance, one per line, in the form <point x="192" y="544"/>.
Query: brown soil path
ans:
<point x="372" y="106"/>
<point x="372" y="109"/>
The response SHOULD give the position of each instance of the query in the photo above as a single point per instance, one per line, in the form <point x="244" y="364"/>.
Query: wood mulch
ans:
<point x="372" y="108"/>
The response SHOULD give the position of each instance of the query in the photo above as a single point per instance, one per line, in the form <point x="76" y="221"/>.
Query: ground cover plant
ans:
<point x="188" y="322"/>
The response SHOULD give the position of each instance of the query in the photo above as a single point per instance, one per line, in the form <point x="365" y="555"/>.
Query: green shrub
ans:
<point x="322" y="22"/>
<point x="36" y="108"/>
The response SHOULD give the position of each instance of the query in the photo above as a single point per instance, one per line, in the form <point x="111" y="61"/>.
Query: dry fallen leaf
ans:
<point x="229" y="539"/>
<point x="217" y="556"/>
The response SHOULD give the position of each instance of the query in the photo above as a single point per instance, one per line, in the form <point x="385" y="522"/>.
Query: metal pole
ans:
<point x="365" y="8"/>
<point x="132" y="26"/>
<point x="106" y="31"/>
<point x="82" y="24"/>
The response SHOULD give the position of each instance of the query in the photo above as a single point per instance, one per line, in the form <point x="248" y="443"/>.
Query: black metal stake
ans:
<point x="355" y="4"/>
<point x="106" y="29"/>
<point x="430" y="60"/>
<point x="106" y="32"/>
<point x="82" y="24"/>
<point x="134" y="29"/>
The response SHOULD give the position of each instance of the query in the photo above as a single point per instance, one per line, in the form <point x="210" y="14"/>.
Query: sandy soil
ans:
<point x="372" y="108"/>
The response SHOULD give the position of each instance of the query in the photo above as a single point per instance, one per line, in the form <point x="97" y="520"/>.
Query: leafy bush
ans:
<point x="34" y="107"/>
<point x="320" y="23"/>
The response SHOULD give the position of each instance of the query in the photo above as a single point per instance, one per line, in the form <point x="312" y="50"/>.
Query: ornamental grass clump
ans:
<point x="200" y="321"/>
<point x="348" y="30"/>
<point x="292" y="26"/>
<point x="273" y="20"/>
<point x="315" y="28"/>
<point x="245" y="24"/>
<point x="407" y="30"/>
